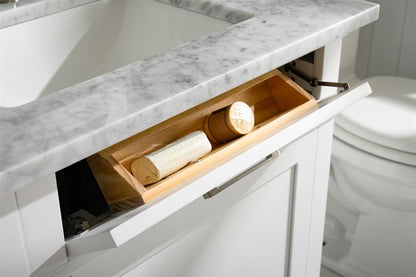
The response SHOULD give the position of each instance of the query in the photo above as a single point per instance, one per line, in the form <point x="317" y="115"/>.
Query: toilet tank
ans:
<point x="388" y="46"/>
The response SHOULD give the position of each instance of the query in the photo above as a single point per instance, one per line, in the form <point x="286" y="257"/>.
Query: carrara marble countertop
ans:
<point x="49" y="134"/>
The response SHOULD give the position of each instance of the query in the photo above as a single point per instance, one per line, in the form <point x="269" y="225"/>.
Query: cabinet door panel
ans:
<point x="247" y="239"/>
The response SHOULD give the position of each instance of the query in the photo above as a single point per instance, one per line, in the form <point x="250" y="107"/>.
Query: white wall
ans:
<point x="388" y="46"/>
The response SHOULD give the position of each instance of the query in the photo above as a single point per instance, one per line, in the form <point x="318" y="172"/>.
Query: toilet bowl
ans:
<point x="370" y="227"/>
<point x="372" y="189"/>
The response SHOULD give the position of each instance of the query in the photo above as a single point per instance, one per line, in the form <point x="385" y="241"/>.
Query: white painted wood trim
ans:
<point x="326" y="67"/>
<point x="320" y="190"/>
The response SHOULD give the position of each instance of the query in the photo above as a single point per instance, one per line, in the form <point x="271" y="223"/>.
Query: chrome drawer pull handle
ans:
<point x="217" y="190"/>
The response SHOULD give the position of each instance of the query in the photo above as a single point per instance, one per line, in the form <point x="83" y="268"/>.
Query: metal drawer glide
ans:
<point x="312" y="81"/>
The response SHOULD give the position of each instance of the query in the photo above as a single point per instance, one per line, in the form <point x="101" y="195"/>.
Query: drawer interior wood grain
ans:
<point x="274" y="99"/>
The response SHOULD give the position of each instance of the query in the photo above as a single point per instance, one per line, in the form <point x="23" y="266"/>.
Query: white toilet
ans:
<point x="370" y="228"/>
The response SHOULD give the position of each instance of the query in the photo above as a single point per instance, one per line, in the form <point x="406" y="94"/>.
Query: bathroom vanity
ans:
<point x="258" y="210"/>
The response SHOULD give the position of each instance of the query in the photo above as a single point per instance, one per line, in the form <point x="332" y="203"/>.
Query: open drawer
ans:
<point x="274" y="99"/>
<point x="274" y="135"/>
<point x="257" y="203"/>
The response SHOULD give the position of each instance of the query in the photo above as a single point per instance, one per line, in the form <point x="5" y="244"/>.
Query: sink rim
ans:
<point x="217" y="11"/>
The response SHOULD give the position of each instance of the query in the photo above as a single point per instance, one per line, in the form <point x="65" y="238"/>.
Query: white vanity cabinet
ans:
<point x="268" y="220"/>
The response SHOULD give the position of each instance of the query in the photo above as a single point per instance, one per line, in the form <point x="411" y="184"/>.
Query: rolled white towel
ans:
<point x="169" y="159"/>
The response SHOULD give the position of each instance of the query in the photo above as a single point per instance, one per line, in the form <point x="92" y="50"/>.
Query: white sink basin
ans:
<point x="45" y="55"/>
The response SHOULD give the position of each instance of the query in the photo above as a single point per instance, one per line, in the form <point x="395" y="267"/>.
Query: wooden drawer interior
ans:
<point x="274" y="99"/>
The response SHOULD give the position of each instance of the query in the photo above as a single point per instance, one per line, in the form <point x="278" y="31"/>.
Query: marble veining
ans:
<point x="42" y="137"/>
<point x="25" y="10"/>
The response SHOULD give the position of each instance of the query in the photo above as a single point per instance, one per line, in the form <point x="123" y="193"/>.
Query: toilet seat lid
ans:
<point x="386" y="117"/>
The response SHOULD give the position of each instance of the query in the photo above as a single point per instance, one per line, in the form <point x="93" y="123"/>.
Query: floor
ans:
<point x="326" y="272"/>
